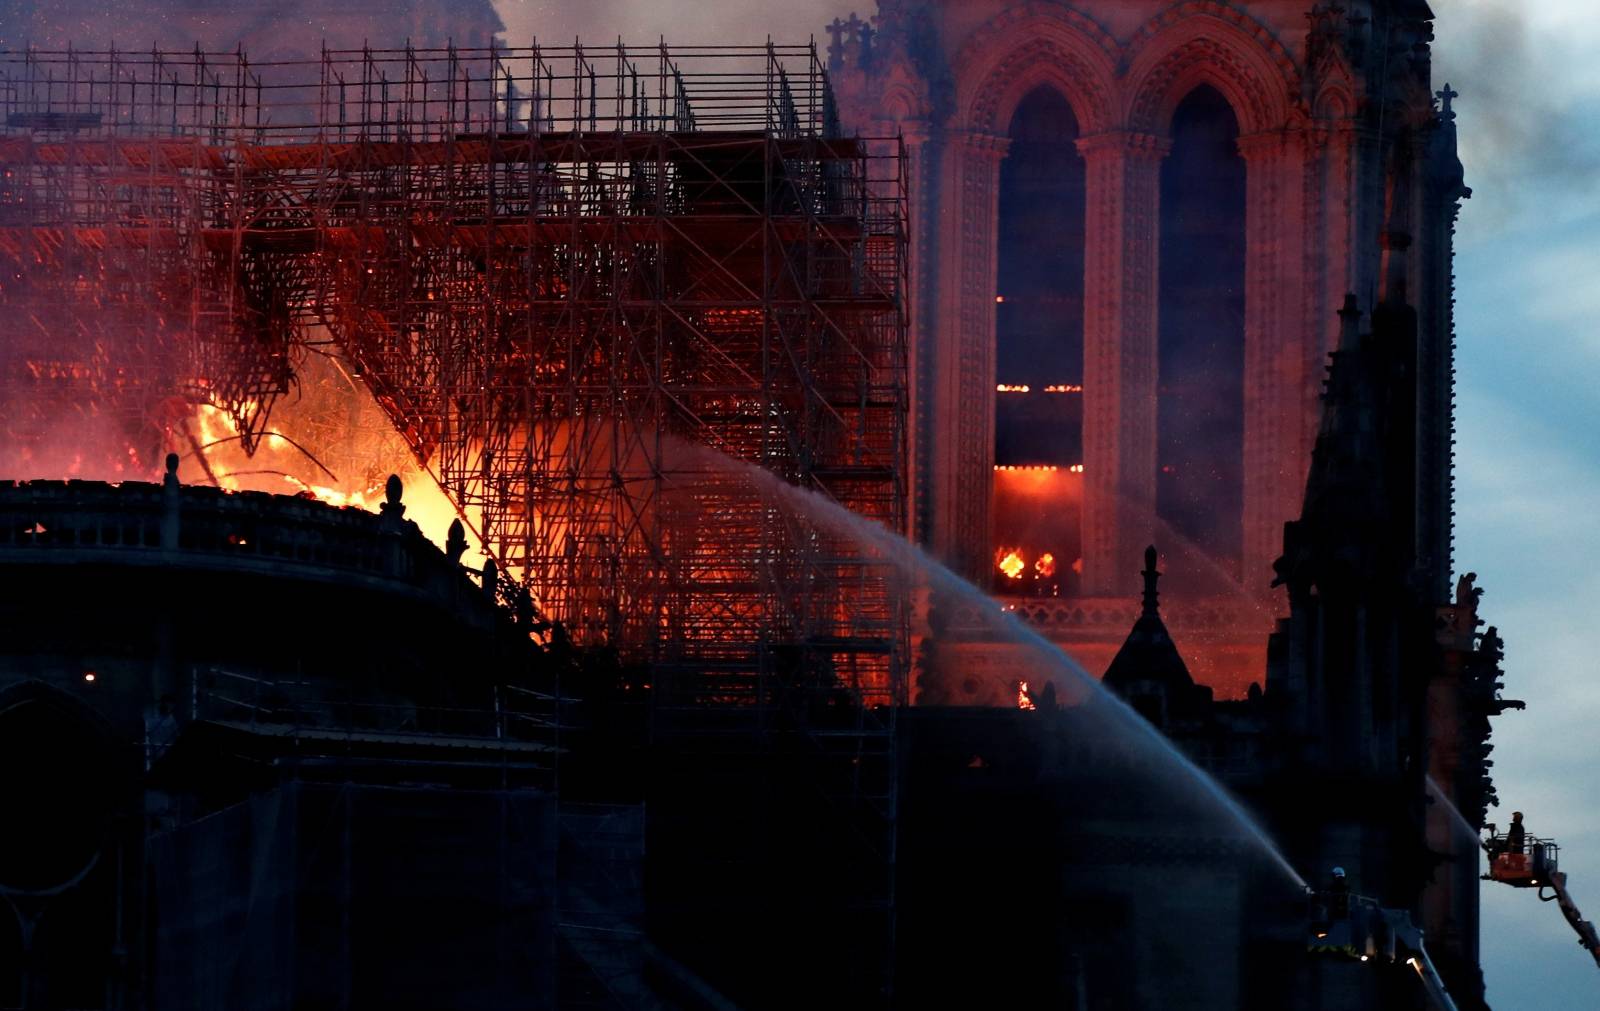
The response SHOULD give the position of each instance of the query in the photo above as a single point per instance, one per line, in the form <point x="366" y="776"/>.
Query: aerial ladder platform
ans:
<point x="1534" y="863"/>
<point x="1351" y="926"/>
<point x="1346" y="925"/>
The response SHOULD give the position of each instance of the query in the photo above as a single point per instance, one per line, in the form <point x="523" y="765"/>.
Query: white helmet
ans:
<point x="1338" y="872"/>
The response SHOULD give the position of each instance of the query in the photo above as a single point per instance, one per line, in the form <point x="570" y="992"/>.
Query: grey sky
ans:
<point x="1528" y="466"/>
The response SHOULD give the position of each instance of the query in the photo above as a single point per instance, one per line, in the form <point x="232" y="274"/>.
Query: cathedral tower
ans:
<point x="1133" y="224"/>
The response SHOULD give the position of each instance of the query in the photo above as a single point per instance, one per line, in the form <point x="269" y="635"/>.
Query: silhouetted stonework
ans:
<point x="265" y="753"/>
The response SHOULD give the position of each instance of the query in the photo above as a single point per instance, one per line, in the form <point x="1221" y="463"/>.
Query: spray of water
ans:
<point x="918" y="568"/>
<point x="1458" y="821"/>
<point x="1218" y="580"/>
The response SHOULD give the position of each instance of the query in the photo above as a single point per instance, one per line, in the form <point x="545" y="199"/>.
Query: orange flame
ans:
<point x="273" y="467"/>
<point x="1011" y="562"/>
<point x="1023" y="701"/>
<point x="1045" y="566"/>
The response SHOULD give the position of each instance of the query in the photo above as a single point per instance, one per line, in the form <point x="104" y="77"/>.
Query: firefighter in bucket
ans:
<point x="1334" y="926"/>
<point x="1518" y="859"/>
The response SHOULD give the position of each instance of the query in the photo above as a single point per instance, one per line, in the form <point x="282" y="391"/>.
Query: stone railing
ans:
<point x="171" y="524"/>
<point x="1115" y="615"/>
<point x="515" y="717"/>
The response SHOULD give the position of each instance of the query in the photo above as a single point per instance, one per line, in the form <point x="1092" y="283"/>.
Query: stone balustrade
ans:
<point x="71" y="522"/>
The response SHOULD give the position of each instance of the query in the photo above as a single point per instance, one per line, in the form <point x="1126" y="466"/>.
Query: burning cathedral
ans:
<point x="962" y="516"/>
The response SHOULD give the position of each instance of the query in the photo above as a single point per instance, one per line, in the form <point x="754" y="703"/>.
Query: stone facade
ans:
<point x="1336" y="117"/>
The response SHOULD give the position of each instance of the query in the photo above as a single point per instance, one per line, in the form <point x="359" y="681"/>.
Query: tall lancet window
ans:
<point x="1200" y="408"/>
<point x="1038" y="489"/>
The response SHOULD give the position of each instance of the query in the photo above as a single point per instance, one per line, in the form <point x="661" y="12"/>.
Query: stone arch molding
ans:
<point x="1134" y="86"/>
<point x="903" y="95"/>
<point x="1200" y="42"/>
<point x="1030" y="45"/>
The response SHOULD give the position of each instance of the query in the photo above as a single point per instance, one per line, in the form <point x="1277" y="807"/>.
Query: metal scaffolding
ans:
<point x="545" y="263"/>
<point x="554" y="268"/>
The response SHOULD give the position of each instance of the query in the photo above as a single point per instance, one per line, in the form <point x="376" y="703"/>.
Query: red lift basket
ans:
<point x="1532" y="867"/>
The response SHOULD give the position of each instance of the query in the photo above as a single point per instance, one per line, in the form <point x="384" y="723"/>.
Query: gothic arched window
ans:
<point x="1200" y="406"/>
<point x="1039" y="350"/>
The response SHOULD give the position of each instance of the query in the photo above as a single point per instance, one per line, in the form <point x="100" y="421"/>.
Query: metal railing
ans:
<point x="516" y="716"/>
<point x="415" y="94"/>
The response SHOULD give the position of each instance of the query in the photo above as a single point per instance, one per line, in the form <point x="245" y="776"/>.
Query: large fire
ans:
<point x="326" y="439"/>
<point x="344" y="464"/>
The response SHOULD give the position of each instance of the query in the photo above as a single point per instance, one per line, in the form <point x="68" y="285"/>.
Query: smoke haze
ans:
<point x="681" y="22"/>
<point x="1526" y="89"/>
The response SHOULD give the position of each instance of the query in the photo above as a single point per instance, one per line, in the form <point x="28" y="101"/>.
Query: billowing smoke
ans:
<point x="1522" y="133"/>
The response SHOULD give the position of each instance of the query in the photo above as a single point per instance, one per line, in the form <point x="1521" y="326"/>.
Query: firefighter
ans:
<point x="1339" y="895"/>
<point x="1516" y="836"/>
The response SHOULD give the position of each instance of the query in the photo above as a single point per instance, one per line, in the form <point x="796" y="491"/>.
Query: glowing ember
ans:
<point x="1045" y="566"/>
<point x="1011" y="563"/>
<point x="1023" y="701"/>
<point x="1027" y="388"/>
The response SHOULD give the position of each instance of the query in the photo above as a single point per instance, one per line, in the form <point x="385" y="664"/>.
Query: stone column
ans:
<point x="1276" y="444"/>
<point x="921" y="175"/>
<point x="961" y="412"/>
<point x="1120" y="354"/>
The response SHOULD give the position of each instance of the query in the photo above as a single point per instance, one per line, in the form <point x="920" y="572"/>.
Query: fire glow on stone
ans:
<point x="1037" y="468"/>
